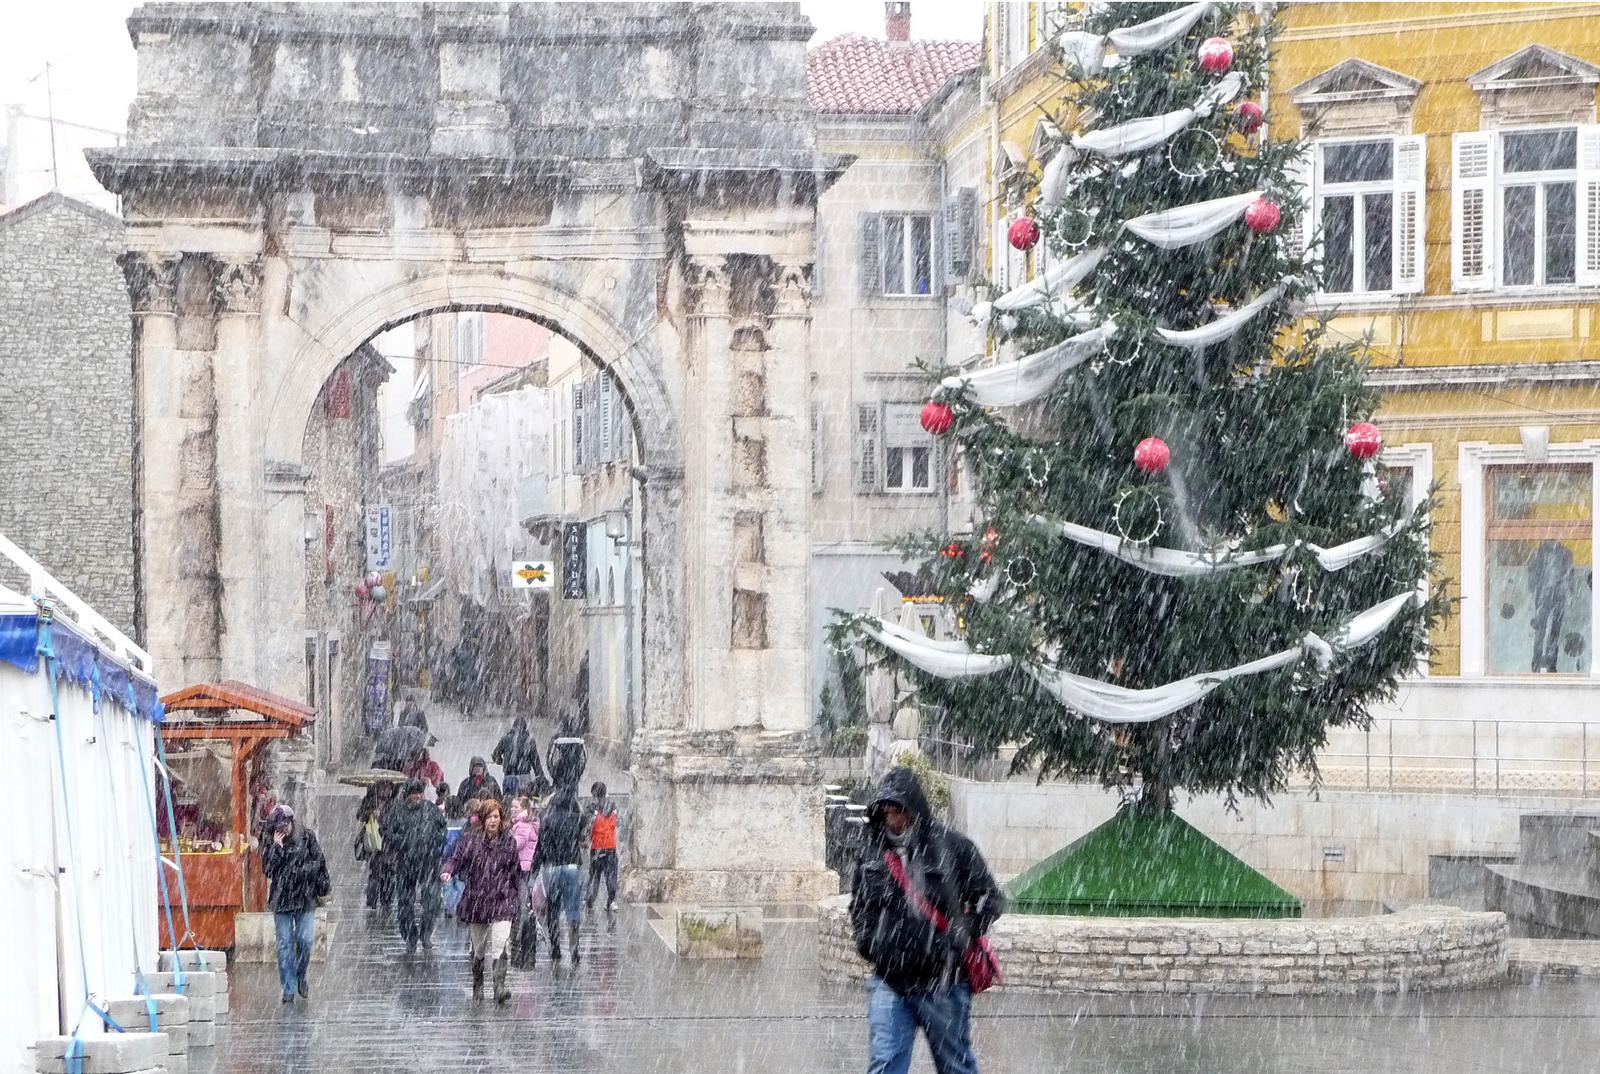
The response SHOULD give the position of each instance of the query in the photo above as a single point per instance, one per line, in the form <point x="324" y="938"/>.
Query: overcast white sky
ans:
<point x="92" y="68"/>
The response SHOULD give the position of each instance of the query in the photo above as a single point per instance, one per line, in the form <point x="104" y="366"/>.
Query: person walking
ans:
<point x="413" y="832"/>
<point x="517" y="754"/>
<point x="921" y="901"/>
<point x="486" y="859"/>
<point x="370" y="848"/>
<point x="297" y="875"/>
<point x="559" y="851"/>
<point x="478" y="783"/>
<point x="525" y="830"/>
<point x="602" y="848"/>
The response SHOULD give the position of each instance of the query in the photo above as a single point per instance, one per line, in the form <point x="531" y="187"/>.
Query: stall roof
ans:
<point x="235" y="703"/>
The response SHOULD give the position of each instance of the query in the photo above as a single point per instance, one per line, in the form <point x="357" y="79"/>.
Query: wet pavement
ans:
<point x="632" y="1006"/>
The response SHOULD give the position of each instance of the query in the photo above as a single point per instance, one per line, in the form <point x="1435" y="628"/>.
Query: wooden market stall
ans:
<point x="223" y="875"/>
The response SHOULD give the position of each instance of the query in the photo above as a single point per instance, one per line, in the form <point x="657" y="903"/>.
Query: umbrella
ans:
<point x="373" y="777"/>
<point x="397" y="747"/>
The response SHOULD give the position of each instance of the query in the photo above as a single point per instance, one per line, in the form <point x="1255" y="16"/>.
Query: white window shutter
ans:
<point x="603" y="390"/>
<point x="1472" y="215"/>
<point x="577" y="427"/>
<point x="869" y="447"/>
<point x="1410" y="207"/>
<point x="1589" y="206"/>
<point x="871" y="271"/>
<point x="819" y="469"/>
<point x="1300" y="172"/>
<point x="953" y="268"/>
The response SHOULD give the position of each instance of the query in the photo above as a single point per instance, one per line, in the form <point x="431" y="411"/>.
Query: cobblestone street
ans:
<point x="632" y="1006"/>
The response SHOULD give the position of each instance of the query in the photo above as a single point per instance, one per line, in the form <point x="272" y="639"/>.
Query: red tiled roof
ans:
<point x="863" y="75"/>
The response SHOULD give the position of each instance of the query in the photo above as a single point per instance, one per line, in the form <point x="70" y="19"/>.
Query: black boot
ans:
<point x="572" y="939"/>
<point x="477" y="978"/>
<point x="553" y="927"/>
<point x="501" y="991"/>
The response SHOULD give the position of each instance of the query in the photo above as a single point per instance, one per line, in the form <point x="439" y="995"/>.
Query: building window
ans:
<point x="1013" y="34"/>
<point x="1368" y="206"/>
<point x="908" y="450"/>
<point x="468" y="339"/>
<point x="1539" y="575"/>
<point x="1539" y="207"/>
<point x="906" y="254"/>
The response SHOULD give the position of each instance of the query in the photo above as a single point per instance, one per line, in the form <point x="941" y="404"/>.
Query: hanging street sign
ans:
<point x="532" y="574"/>
<point x="380" y="537"/>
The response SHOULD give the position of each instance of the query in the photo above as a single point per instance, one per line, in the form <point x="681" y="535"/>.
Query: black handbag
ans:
<point x="525" y="942"/>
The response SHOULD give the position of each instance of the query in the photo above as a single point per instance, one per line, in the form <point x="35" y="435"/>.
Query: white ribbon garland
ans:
<point x="1054" y="282"/>
<point x="1028" y="378"/>
<point x="1177" y="563"/>
<point x="1137" y="135"/>
<point x="1087" y="52"/>
<point x="1189" y="224"/>
<point x="1223" y="327"/>
<point x="1119" y="704"/>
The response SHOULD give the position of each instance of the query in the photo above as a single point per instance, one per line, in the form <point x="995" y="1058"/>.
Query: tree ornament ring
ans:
<point x="1022" y="572"/>
<point x="1127" y="500"/>
<point x="1076" y="228"/>
<point x="1199" y="150"/>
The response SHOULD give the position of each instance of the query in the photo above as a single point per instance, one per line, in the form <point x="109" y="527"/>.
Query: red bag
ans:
<point x="983" y="968"/>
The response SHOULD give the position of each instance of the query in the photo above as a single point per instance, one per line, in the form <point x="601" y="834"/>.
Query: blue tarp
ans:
<point x="79" y="660"/>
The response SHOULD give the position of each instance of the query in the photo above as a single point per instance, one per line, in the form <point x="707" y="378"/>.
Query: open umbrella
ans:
<point x="397" y="747"/>
<point x="373" y="777"/>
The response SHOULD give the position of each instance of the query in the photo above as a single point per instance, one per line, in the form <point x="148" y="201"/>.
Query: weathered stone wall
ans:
<point x="1427" y="948"/>
<point x="66" y="390"/>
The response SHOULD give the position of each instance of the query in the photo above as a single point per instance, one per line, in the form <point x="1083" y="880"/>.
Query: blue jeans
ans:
<point x="295" y="932"/>
<point x="561" y="885"/>
<point x="945" y="1018"/>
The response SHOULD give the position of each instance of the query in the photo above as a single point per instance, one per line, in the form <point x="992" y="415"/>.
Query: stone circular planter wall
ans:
<point x="1418" y="949"/>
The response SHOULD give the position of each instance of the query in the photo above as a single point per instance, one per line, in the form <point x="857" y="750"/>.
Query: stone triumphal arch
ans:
<point x="642" y="178"/>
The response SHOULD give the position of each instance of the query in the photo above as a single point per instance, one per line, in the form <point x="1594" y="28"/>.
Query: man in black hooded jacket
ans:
<point x="414" y="831"/>
<point x="919" y="976"/>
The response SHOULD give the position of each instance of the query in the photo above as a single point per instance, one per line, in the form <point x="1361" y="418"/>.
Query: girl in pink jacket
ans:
<point x="525" y="830"/>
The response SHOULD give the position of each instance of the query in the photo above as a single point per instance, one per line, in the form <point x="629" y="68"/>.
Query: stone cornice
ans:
<point x="1448" y="377"/>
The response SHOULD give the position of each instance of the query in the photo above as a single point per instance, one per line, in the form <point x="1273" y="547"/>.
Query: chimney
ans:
<point x="897" y="22"/>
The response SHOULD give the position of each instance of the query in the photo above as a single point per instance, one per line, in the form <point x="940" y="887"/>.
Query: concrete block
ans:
<point x="109" y="1053"/>
<point x="212" y="961"/>
<point x="133" y="1012"/>
<point x="202" y="1034"/>
<point x="255" y="938"/>
<point x="220" y="1005"/>
<point x="721" y="933"/>
<point x="203" y="1008"/>
<point x="195" y="985"/>
<point x="177" y="1064"/>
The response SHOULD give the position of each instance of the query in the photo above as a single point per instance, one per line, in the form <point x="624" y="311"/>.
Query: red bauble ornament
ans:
<point x="1262" y="216"/>
<point x="937" y="418"/>
<point x="954" y="550"/>
<point x="362" y="591"/>
<point x="1024" y="233"/>
<point x="1363" y="440"/>
<point x="1152" y="455"/>
<point x="1251" y="116"/>
<point x="1216" y="54"/>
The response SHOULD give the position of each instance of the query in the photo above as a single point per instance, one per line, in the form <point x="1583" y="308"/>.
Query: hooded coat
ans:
<point x="296" y="871"/>
<point x="517" y="752"/>
<point x="906" y="950"/>
<point x="561" y="832"/>
<point x="414" y="831"/>
<point x="525" y="830"/>
<point x="489" y="868"/>
<point x="481" y="789"/>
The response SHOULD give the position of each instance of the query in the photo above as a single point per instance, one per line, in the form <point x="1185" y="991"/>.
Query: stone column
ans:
<point x="729" y="805"/>
<point x="178" y="611"/>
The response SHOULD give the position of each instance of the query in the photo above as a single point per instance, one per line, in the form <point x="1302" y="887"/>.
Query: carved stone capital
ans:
<point x="152" y="280"/>
<point x="237" y="284"/>
<point x="790" y="281"/>
<point x="710" y="288"/>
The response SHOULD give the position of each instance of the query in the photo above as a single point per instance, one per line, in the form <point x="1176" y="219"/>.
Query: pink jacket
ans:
<point x="526" y="833"/>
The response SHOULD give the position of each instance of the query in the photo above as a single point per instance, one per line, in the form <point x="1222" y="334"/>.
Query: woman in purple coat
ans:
<point x="486" y="860"/>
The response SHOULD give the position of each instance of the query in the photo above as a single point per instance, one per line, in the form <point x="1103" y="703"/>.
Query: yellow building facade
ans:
<point x="1454" y="181"/>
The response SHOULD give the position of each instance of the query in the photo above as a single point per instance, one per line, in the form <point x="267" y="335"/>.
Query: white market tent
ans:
<point x="78" y="868"/>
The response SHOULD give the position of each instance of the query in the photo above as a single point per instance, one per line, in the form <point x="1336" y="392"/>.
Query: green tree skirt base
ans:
<point x="1147" y="865"/>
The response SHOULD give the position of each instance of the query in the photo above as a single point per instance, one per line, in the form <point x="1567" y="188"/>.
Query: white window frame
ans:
<point x="468" y="339"/>
<point x="1417" y="458"/>
<point x="908" y="257"/>
<point x="1406" y="187"/>
<point x="1473" y="459"/>
<point x="1504" y="180"/>
<point x="1017" y="25"/>
<point x="902" y="431"/>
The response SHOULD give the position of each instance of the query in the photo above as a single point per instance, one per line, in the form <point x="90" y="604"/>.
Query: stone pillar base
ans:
<point x="727" y="817"/>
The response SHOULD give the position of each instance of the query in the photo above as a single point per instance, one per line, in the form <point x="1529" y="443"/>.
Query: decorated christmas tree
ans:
<point x="1187" y="563"/>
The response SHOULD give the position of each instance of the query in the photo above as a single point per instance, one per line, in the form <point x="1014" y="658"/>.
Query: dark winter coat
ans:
<point x="905" y="949"/>
<point x="517" y="752"/>
<point x="414" y="833"/>
<point x="297" y="872"/>
<point x="561" y="832"/>
<point x="481" y="789"/>
<point x="489" y="868"/>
